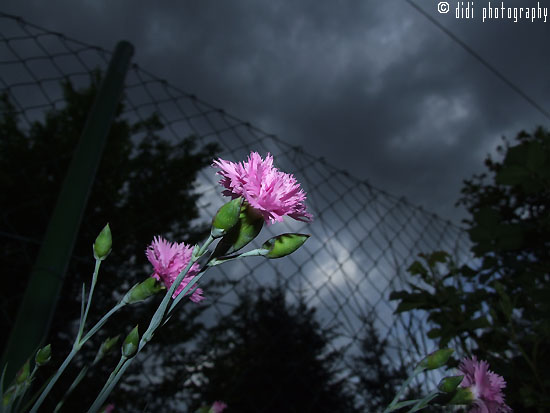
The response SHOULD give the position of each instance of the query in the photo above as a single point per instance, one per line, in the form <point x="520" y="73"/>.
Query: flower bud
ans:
<point x="106" y="346"/>
<point x="103" y="243"/>
<point x="283" y="244"/>
<point x="143" y="290"/>
<point x="130" y="345"/>
<point x="23" y="373"/>
<point x="226" y="217"/>
<point x="43" y="356"/>
<point x="449" y="384"/>
<point x="463" y="395"/>
<point x="247" y="228"/>
<point x="436" y="359"/>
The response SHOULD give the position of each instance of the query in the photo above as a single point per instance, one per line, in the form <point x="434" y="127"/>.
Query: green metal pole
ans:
<point x="39" y="301"/>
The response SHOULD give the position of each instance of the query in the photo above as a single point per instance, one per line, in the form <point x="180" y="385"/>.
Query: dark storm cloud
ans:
<point x="374" y="87"/>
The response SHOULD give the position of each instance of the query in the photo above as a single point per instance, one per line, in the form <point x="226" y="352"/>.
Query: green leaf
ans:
<point x="535" y="156"/>
<point x="470" y="325"/>
<point x="434" y="333"/>
<point x="511" y="175"/>
<point x="416" y="268"/>
<point x="437" y="257"/>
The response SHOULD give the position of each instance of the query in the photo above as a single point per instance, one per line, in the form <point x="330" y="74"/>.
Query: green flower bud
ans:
<point x="283" y="244"/>
<point x="23" y="373"/>
<point x="105" y="347"/>
<point x="103" y="243"/>
<point x="436" y="359"/>
<point x="463" y="395"/>
<point x="143" y="290"/>
<point x="247" y="228"/>
<point x="449" y="384"/>
<point x="226" y="218"/>
<point x="130" y="345"/>
<point x="43" y="356"/>
<point x="8" y="395"/>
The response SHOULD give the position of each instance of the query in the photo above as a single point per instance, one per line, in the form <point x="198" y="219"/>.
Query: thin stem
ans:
<point x="111" y="383"/>
<point x="26" y="386"/>
<point x="58" y="373"/>
<point x="415" y="372"/>
<point x="85" y="316"/>
<point x="71" y="388"/>
<point x="101" y="322"/>
<point x="155" y="322"/>
<point x="424" y="402"/>
<point x="74" y="350"/>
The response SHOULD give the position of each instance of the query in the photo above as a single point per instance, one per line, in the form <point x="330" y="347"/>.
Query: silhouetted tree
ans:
<point x="270" y="356"/>
<point x="499" y="310"/>
<point x="144" y="187"/>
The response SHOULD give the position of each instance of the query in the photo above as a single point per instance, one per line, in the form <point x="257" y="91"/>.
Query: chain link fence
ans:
<point x="362" y="238"/>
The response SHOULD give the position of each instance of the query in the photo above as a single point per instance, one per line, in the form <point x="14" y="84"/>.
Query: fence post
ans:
<point x="39" y="301"/>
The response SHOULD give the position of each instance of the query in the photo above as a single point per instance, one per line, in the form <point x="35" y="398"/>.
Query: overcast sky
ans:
<point x="374" y="87"/>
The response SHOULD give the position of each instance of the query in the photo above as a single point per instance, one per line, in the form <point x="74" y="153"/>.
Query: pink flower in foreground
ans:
<point x="271" y="192"/>
<point x="168" y="260"/>
<point x="218" y="407"/>
<point x="485" y="386"/>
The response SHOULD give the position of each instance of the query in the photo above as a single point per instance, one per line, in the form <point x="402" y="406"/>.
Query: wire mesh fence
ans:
<point x="362" y="238"/>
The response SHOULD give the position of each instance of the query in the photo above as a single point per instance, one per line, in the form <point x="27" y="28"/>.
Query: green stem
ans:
<point x="101" y="322"/>
<point x="424" y="402"/>
<point x="58" y="373"/>
<point x="85" y="316"/>
<point x="76" y="348"/>
<point x="155" y="322"/>
<point x="259" y="252"/>
<point x="111" y="383"/>
<point x="415" y="373"/>
<point x="71" y="388"/>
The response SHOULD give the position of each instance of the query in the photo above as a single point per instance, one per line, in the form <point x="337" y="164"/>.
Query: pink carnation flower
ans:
<point x="169" y="260"/>
<point x="271" y="192"/>
<point x="218" y="407"/>
<point x="486" y="387"/>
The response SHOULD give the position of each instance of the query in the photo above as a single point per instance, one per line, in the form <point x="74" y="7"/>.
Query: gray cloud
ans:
<point x="374" y="87"/>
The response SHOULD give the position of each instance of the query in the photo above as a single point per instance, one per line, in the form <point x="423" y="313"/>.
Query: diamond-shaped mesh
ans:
<point x="362" y="238"/>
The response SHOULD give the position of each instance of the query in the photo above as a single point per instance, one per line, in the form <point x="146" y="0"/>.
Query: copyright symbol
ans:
<point x="443" y="7"/>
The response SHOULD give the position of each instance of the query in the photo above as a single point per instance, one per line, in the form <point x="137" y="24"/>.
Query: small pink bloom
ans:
<point x="486" y="387"/>
<point x="272" y="192"/>
<point x="110" y="408"/>
<point x="168" y="260"/>
<point x="218" y="407"/>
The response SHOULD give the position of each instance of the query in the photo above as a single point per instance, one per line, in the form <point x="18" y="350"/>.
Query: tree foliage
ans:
<point x="144" y="187"/>
<point x="499" y="309"/>
<point x="270" y="356"/>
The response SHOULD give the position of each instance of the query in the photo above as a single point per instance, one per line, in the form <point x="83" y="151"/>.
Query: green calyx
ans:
<point x="449" y="384"/>
<point x="283" y="244"/>
<point x="103" y="243"/>
<point x="436" y="359"/>
<point x="130" y="345"/>
<point x="226" y="218"/>
<point x="43" y="356"/>
<point x="143" y="290"/>
<point x="463" y="395"/>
